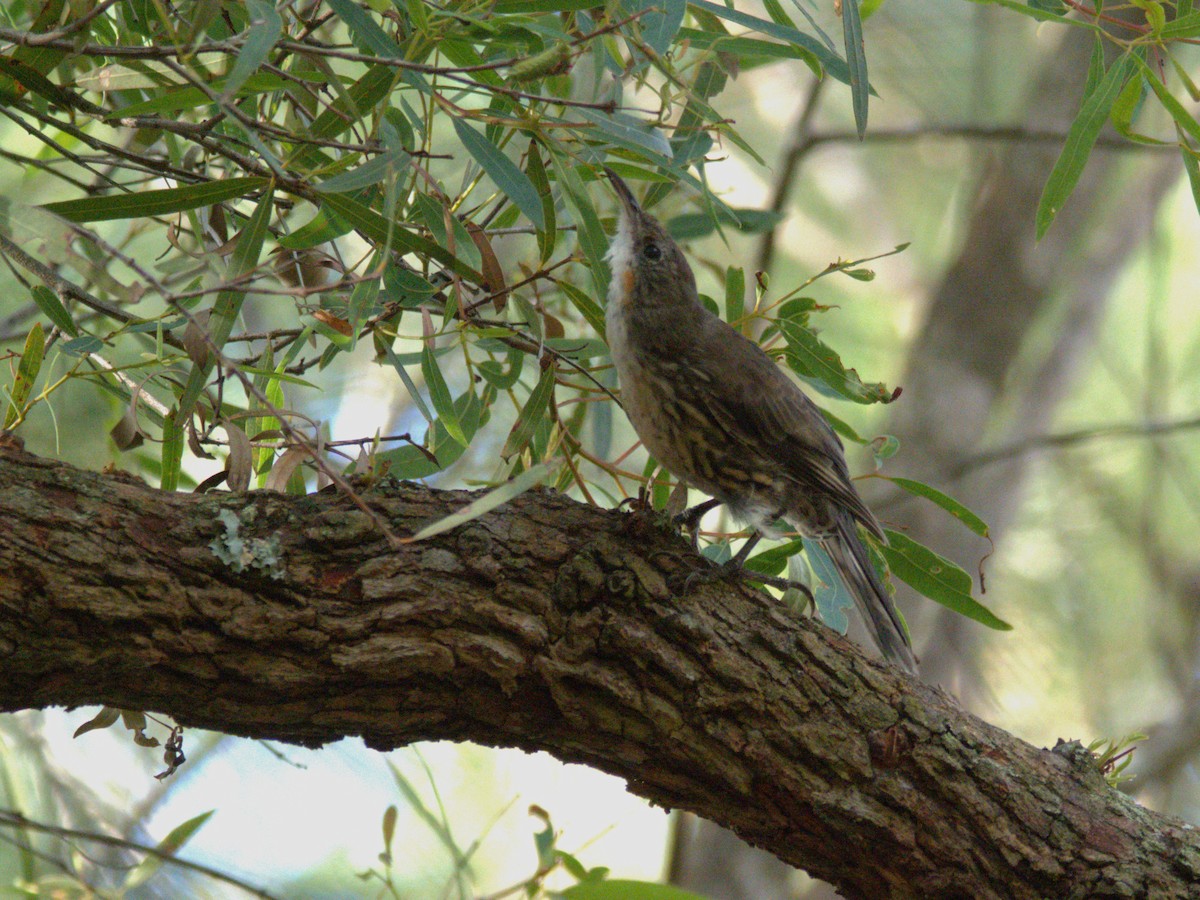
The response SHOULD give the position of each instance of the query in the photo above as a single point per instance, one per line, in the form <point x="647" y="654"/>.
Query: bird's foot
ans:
<point x="690" y="519"/>
<point x="733" y="569"/>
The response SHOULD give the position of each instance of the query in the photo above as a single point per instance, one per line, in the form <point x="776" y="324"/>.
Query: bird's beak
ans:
<point x="623" y="191"/>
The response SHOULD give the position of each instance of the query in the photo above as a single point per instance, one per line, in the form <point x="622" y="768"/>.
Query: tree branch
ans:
<point x="548" y="625"/>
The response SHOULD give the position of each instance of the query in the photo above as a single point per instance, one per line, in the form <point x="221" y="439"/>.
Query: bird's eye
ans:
<point x="651" y="251"/>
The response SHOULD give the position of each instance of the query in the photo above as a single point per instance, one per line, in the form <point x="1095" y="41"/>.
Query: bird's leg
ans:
<point x="739" y="561"/>
<point x="775" y="581"/>
<point x="736" y="566"/>
<point x="690" y="519"/>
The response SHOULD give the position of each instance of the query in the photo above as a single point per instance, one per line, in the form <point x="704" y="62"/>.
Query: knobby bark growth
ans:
<point x="548" y="625"/>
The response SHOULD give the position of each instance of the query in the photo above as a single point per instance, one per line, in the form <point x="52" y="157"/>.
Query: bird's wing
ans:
<point x="765" y="413"/>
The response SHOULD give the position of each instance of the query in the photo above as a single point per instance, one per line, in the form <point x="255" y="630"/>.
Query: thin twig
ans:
<point x="1073" y="438"/>
<point x="14" y="819"/>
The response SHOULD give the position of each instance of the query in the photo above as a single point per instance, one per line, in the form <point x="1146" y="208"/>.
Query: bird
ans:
<point x="713" y="408"/>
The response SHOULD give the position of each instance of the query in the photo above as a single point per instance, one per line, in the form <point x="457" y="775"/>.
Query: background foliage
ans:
<point x="261" y="245"/>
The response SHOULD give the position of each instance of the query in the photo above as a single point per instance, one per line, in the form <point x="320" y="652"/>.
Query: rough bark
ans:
<point x="550" y="625"/>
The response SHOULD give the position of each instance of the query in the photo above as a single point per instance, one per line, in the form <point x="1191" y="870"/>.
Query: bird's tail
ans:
<point x="874" y="603"/>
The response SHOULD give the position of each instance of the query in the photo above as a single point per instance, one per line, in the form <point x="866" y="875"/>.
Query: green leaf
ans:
<point x="507" y="7"/>
<point x="1156" y="18"/>
<point x="945" y="501"/>
<point x="775" y="10"/>
<point x="326" y="225"/>
<point x="27" y="373"/>
<point x="1126" y="107"/>
<point x="181" y="98"/>
<point x="155" y="203"/>
<point x="1053" y="7"/>
<point x="1080" y="138"/>
<point x="535" y="168"/>
<point x="691" y="226"/>
<point x="266" y="376"/>
<point x="885" y="447"/>
<point x="842" y="427"/>
<point x="1187" y="26"/>
<point x="346" y="112"/>
<point x="588" y="231"/>
<point x="171" y="844"/>
<point x="364" y="300"/>
<point x="47" y="301"/>
<point x="813" y="359"/>
<point x="660" y="25"/>
<point x="856" y="60"/>
<point x="503" y="171"/>
<point x="532" y="414"/>
<point x="1025" y="8"/>
<point x="625" y="131"/>
<point x="1188" y="84"/>
<point x="1192" y="167"/>
<point x="833" y="64"/>
<point x="660" y="22"/>
<point x="1095" y="67"/>
<point x="82" y="346"/>
<point x="543" y="843"/>
<point x="367" y="34"/>
<point x="409" y="462"/>
<point x="439" y="395"/>
<point x="172" y="451"/>
<point x="243" y="260"/>
<point x="832" y="596"/>
<point x="437" y="215"/>
<point x="1181" y="116"/>
<point x="497" y="376"/>
<point x="937" y="578"/>
<point x="735" y="293"/>
<point x="749" y="51"/>
<point x="587" y="307"/>
<point x="385" y="166"/>
<point x="489" y="501"/>
<point x="39" y="84"/>
<point x="625" y="889"/>
<point x="409" y="385"/>
<point x="266" y="26"/>
<point x="437" y="824"/>
<point x="773" y="560"/>
<point x="376" y="228"/>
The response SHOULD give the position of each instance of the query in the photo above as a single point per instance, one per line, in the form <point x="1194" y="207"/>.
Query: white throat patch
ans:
<point x="620" y="255"/>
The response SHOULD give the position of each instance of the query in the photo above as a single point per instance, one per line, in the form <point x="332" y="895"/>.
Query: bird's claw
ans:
<point x="690" y="519"/>
<point x="734" y="569"/>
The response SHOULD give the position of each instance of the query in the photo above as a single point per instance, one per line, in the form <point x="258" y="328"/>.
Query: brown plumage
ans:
<point x="714" y="409"/>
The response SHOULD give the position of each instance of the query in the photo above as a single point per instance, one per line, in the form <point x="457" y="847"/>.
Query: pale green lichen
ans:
<point x="241" y="553"/>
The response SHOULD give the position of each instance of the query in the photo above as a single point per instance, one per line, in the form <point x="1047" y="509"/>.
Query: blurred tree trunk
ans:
<point x="990" y="299"/>
<point x="715" y="862"/>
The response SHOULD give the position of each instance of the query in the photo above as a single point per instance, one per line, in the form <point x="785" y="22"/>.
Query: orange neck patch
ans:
<point x="627" y="285"/>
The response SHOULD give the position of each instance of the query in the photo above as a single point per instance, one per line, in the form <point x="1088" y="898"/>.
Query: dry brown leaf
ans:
<point x="551" y="326"/>
<point x="281" y="472"/>
<point x="493" y="272"/>
<point x="338" y="324"/>
<point x="239" y="465"/>
<point x="126" y="434"/>
<point x="195" y="338"/>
